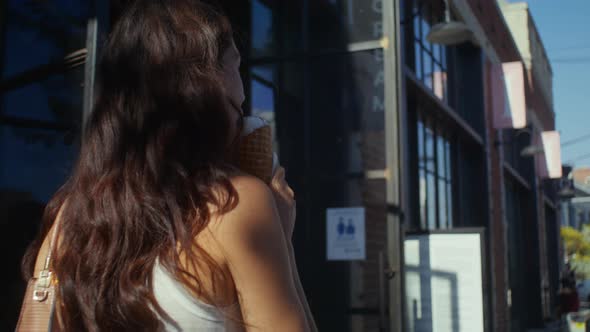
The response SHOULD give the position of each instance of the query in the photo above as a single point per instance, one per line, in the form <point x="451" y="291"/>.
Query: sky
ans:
<point x="565" y="31"/>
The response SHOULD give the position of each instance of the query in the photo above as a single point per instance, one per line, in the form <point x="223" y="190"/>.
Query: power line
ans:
<point x="571" y="60"/>
<point x="575" y="140"/>
<point x="578" y="158"/>
<point x="571" y="48"/>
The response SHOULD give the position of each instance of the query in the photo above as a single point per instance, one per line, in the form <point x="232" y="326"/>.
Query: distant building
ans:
<point x="581" y="177"/>
<point x="576" y="210"/>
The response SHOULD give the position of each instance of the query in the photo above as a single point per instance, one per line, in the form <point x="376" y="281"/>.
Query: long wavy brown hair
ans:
<point x="154" y="157"/>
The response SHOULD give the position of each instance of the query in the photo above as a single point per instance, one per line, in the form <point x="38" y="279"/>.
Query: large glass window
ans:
<point x="515" y="218"/>
<point x="263" y="28"/>
<point x="319" y="75"/>
<point x="42" y="93"/>
<point x="347" y="118"/>
<point x="435" y="178"/>
<point x="514" y="141"/>
<point x="429" y="60"/>
<point x="35" y="161"/>
<point x="55" y="100"/>
<point x="41" y="32"/>
<point x="263" y="96"/>
<point x="337" y="24"/>
<point x="41" y="105"/>
<point x="276" y="28"/>
<point x="39" y="127"/>
<point x="276" y="35"/>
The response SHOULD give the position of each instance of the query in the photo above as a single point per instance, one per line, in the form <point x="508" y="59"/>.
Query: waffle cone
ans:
<point x="255" y="155"/>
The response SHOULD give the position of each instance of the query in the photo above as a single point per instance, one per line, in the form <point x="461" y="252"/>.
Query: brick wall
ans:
<point x="498" y="33"/>
<point x="371" y="194"/>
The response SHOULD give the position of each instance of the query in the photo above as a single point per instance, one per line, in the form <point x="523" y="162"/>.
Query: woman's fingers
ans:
<point x="280" y="185"/>
<point x="290" y="191"/>
<point x="285" y="200"/>
<point x="278" y="178"/>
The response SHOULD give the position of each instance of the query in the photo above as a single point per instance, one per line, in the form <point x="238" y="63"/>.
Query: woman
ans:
<point x="158" y="231"/>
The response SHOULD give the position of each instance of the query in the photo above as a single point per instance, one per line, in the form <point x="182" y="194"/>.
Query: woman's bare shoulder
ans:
<point x="249" y="187"/>
<point x="254" y="203"/>
<point x="252" y="218"/>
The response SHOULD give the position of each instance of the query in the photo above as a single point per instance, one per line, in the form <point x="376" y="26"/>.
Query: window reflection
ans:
<point x="428" y="70"/>
<point x="51" y="28"/>
<point x="338" y="23"/>
<point x="36" y="161"/>
<point x="435" y="181"/>
<point x="440" y="154"/>
<point x="442" y="203"/>
<point x="266" y="73"/>
<point x="424" y="25"/>
<point x="429" y="60"/>
<point x="431" y="201"/>
<point x="429" y="158"/>
<point x="263" y="97"/>
<point x="449" y="176"/>
<point x="419" y="62"/>
<point x="421" y="150"/>
<point x="263" y="28"/>
<point x="347" y="96"/>
<point x="57" y="99"/>
<point x="263" y="100"/>
<point x="422" y="184"/>
<point x="42" y="109"/>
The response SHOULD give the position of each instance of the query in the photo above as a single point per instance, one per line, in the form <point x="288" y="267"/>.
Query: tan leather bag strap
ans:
<point x="52" y="244"/>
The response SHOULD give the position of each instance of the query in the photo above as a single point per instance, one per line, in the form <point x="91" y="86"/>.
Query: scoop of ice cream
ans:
<point x="252" y="123"/>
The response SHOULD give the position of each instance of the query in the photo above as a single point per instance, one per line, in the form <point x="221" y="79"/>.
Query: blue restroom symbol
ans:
<point x="350" y="229"/>
<point x="345" y="230"/>
<point x="341" y="227"/>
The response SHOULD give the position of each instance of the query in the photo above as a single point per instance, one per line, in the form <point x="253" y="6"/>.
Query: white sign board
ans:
<point x="508" y="102"/>
<point x="549" y="162"/>
<point x="444" y="287"/>
<point x="345" y="233"/>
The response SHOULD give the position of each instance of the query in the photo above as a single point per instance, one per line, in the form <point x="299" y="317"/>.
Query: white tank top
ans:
<point x="189" y="313"/>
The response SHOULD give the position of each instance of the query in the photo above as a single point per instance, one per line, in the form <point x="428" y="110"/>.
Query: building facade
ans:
<point x="366" y="111"/>
<point x="576" y="210"/>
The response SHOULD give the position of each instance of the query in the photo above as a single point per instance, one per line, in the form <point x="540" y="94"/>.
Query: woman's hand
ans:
<point x="285" y="202"/>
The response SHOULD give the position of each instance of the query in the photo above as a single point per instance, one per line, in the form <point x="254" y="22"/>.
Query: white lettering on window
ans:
<point x="378" y="105"/>
<point x="378" y="55"/>
<point x="379" y="79"/>
<point x="377" y="6"/>
<point x="377" y="29"/>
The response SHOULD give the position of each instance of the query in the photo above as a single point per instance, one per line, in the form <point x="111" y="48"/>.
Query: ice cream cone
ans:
<point x="255" y="155"/>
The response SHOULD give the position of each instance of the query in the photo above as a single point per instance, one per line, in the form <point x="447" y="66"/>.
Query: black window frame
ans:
<point x="440" y="133"/>
<point x="421" y="50"/>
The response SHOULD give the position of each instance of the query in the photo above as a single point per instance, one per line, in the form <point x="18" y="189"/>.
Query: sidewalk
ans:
<point x="554" y="326"/>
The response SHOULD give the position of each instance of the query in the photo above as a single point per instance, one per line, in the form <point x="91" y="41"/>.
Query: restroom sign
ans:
<point x="345" y="233"/>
